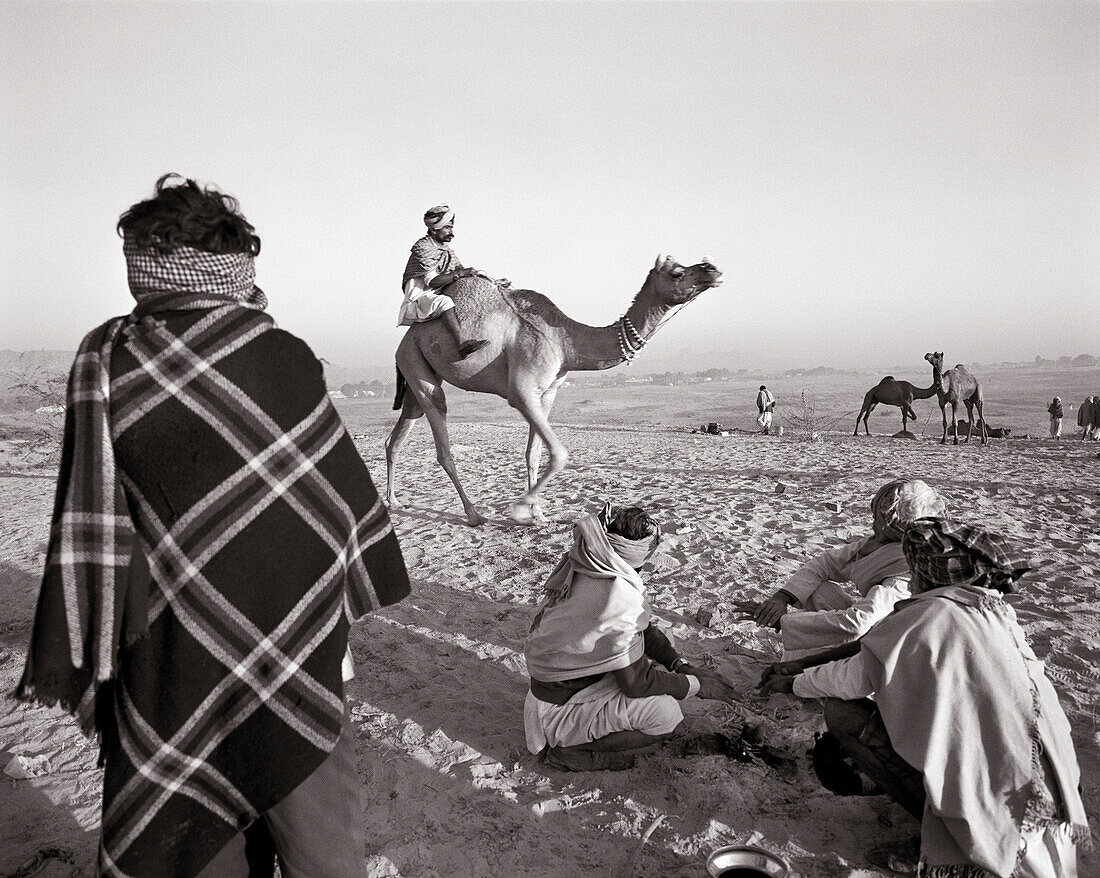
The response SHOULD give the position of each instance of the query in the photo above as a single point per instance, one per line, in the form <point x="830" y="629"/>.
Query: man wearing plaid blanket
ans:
<point x="214" y="534"/>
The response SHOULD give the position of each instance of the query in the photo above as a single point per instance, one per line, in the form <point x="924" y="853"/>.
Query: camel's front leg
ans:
<point x="533" y="456"/>
<point x="907" y="414"/>
<point x="955" y="421"/>
<point x="526" y="509"/>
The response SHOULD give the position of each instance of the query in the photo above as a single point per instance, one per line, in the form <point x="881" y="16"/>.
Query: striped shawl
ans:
<point x="428" y="256"/>
<point x="214" y="534"/>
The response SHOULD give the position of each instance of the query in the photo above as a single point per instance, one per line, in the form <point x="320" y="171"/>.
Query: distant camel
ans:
<point x="955" y="386"/>
<point x="533" y="346"/>
<point x="890" y="391"/>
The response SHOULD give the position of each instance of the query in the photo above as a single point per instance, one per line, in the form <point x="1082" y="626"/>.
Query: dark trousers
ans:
<point x="315" y="831"/>
<point x="858" y="726"/>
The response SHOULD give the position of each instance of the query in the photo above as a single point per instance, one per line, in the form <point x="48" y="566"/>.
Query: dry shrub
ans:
<point x="805" y="419"/>
<point x="43" y="390"/>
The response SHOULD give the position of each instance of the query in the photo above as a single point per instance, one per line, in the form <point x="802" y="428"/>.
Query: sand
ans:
<point x="448" y="786"/>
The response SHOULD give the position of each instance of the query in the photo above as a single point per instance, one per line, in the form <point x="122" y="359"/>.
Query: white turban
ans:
<point x="438" y="216"/>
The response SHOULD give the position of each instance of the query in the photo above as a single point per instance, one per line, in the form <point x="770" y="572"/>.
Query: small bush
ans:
<point x="805" y="419"/>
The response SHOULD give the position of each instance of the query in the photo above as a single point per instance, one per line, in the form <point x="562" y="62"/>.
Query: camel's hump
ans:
<point x="478" y="299"/>
<point x="475" y="297"/>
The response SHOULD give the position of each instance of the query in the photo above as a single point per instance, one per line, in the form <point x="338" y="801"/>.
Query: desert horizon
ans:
<point x="825" y="400"/>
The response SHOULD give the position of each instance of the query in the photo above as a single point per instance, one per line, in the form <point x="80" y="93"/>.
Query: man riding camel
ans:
<point x="433" y="265"/>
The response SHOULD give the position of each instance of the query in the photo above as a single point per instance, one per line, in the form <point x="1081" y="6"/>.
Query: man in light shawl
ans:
<point x="765" y="402"/>
<point x="965" y="731"/>
<point x="598" y="693"/>
<point x="214" y="534"/>
<point x="813" y="611"/>
<point x="433" y="265"/>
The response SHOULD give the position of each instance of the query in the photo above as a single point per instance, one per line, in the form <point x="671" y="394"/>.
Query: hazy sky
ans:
<point x="876" y="180"/>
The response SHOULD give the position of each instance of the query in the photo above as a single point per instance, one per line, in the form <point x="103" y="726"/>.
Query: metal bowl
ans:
<point x="740" y="856"/>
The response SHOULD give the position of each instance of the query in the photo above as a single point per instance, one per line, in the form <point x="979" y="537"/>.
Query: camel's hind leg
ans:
<point x="865" y="412"/>
<point x="969" y="418"/>
<point x="979" y="404"/>
<point x="530" y="405"/>
<point x="433" y="402"/>
<point x="411" y="412"/>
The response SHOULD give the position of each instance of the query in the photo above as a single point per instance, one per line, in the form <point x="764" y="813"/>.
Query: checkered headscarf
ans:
<point x="186" y="271"/>
<point x="944" y="552"/>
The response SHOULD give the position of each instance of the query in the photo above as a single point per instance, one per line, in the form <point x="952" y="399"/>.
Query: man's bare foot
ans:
<point x="469" y="347"/>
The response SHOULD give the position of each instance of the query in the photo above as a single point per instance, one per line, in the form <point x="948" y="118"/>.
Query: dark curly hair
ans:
<point x="184" y="214"/>
<point x="631" y="522"/>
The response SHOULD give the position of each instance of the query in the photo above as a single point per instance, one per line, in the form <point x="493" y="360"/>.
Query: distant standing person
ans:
<point x="765" y="402"/>
<point x="1085" y="417"/>
<point x="433" y="265"/>
<point x="214" y="534"/>
<point x="1056" y="413"/>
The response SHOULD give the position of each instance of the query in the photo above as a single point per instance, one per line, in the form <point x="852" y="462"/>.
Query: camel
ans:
<point x="890" y="391"/>
<point x="533" y="347"/>
<point x="955" y="386"/>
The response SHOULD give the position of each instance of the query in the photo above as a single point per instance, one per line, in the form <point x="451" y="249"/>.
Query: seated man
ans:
<point x="433" y="265"/>
<point x="874" y="564"/>
<point x="597" y="695"/>
<point x="965" y="731"/>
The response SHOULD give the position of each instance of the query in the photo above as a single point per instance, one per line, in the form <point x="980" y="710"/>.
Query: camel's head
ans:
<point x="678" y="285"/>
<point x="935" y="359"/>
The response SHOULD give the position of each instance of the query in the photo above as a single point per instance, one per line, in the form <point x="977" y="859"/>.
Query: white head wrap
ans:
<point x="438" y="216"/>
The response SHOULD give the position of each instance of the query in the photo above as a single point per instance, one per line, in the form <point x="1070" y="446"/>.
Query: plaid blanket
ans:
<point x="214" y="533"/>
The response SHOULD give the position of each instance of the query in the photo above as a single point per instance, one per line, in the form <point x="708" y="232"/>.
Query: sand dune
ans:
<point x="449" y="787"/>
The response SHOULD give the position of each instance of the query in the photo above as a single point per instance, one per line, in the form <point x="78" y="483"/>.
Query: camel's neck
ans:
<point x="931" y="389"/>
<point x="592" y="348"/>
<point x="937" y="381"/>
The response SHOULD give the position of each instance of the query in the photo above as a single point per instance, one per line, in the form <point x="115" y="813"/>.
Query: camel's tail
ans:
<point x="399" y="396"/>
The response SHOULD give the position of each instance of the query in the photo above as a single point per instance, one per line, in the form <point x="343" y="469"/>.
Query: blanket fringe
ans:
<point x="953" y="871"/>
